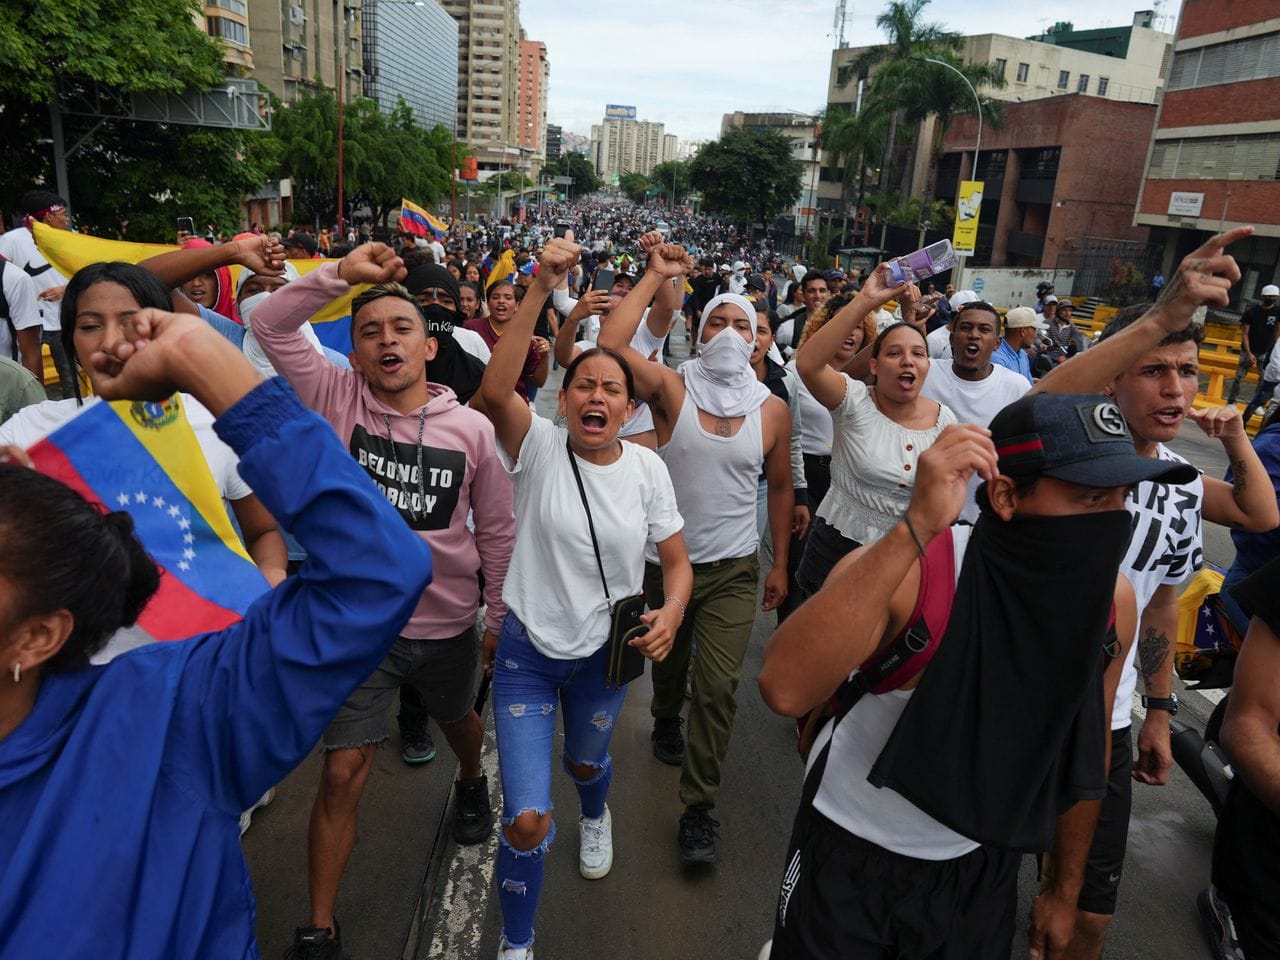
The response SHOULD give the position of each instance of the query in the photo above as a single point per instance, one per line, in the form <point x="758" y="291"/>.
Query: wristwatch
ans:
<point x="1160" y="703"/>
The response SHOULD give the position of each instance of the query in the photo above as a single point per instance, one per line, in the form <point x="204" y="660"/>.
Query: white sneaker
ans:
<point x="514" y="953"/>
<point x="766" y="951"/>
<point x="248" y="814"/>
<point x="595" y="846"/>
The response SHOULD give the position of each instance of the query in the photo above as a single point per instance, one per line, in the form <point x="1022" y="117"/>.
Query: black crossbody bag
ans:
<point x="626" y="662"/>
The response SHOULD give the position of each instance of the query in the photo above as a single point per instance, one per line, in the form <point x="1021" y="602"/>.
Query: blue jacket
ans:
<point x="120" y="794"/>
<point x="1255" y="550"/>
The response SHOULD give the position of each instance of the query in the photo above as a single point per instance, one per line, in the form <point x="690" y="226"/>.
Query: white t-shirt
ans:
<point x="32" y="424"/>
<point x="473" y="343"/>
<point x="973" y="401"/>
<point x="20" y="293"/>
<point x="817" y="431"/>
<point x="553" y="584"/>
<point x="19" y="246"/>
<point x="939" y="343"/>
<point x="1164" y="548"/>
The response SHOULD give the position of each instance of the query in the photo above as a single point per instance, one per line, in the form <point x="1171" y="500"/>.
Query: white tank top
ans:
<point x="716" y="482"/>
<point x="880" y="814"/>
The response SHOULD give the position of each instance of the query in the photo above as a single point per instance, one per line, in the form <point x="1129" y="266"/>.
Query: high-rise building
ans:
<point x="629" y="146"/>
<point x="298" y="45"/>
<point x="228" y="21"/>
<point x="554" y="141"/>
<point x="488" y="79"/>
<point x="1214" y="159"/>
<point x="411" y="51"/>
<point x="535" y="75"/>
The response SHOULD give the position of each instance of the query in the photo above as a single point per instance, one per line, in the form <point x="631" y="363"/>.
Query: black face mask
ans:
<point x="440" y="319"/>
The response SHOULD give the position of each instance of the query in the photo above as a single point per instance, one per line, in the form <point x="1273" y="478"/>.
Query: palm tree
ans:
<point x="909" y="39"/>
<point x="854" y="142"/>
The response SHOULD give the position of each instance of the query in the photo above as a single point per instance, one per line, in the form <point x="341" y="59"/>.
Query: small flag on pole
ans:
<point x="416" y="220"/>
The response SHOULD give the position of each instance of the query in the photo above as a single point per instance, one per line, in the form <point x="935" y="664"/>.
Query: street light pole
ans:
<point x="977" y="148"/>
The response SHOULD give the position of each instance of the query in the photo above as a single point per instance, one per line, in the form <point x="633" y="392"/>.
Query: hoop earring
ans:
<point x="17" y="671"/>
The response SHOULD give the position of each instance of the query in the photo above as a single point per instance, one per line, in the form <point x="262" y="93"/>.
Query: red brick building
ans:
<point x="1059" y="170"/>
<point x="1215" y="155"/>
<point x="531" y="108"/>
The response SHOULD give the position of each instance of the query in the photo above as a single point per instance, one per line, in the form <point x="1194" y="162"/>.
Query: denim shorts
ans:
<point x="528" y="689"/>
<point x="446" y="673"/>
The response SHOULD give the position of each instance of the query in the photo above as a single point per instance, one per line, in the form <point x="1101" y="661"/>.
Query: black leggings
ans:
<point x="824" y="548"/>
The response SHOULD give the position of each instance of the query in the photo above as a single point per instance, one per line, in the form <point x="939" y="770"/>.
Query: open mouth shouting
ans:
<point x="593" y="422"/>
<point x="906" y="380"/>
<point x="1168" y="416"/>
<point x="390" y="362"/>
<point x="972" y="349"/>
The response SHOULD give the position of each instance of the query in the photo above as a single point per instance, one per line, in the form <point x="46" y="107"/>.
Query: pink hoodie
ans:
<point x="460" y="467"/>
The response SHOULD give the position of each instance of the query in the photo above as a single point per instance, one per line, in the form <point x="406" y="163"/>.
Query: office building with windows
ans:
<point x="1215" y="153"/>
<point x="411" y="51"/>
<point x="488" y="80"/>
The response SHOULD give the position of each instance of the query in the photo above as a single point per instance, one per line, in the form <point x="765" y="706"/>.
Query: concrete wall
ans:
<point x="1014" y="286"/>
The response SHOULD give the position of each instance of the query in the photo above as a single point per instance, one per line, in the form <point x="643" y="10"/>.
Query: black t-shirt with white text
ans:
<point x="393" y="466"/>
<point x="1260" y="322"/>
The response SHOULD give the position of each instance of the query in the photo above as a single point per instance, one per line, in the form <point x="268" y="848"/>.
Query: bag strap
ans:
<point x="582" y="492"/>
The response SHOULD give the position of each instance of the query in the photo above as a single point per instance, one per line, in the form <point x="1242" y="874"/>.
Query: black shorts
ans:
<point x="1106" y="855"/>
<point x="845" y="898"/>
<point x="824" y="547"/>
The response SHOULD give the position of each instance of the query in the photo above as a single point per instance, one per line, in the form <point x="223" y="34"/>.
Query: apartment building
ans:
<point x="296" y="42"/>
<point x="621" y="146"/>
<point x="488" y="80"/>
<point x="535" y="76"/>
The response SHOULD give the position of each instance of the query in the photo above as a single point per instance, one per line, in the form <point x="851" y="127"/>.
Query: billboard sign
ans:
<point x="1185" y="204"/>
<point x="614" y="111"/>
<point x="968" y="206"/>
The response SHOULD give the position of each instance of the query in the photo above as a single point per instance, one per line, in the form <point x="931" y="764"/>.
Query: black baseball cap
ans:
<point x="1080" y="438"/>
<point x="756" y="282"/>
<point x="301" y="240"/>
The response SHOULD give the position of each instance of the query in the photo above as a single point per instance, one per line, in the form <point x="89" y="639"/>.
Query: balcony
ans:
<point x="1025" y="244"/>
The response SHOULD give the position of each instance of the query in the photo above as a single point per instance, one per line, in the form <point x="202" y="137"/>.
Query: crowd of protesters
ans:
<point x="893" y="471"/>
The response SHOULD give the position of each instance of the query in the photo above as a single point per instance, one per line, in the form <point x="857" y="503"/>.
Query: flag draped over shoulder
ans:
<point x="144" y="458"/>
<point x="69" y="251"/>
<point x="416" y="220"/>
<point x="504" y="269"/>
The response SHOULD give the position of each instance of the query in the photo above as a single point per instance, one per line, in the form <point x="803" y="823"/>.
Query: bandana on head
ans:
<point x="720" y="378"/>
<point x="39" y="215"/>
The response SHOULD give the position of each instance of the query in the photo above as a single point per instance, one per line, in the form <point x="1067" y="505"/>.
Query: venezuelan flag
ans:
<point x="416" y="220"/>
<point x="69" y="251"/>
<point x="504" y="269"/>
<point x="143" y="458"/>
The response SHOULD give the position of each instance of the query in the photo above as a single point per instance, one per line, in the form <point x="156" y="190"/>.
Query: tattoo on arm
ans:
<point x="1153" y="651"/>
<point x="1239" y="470"/>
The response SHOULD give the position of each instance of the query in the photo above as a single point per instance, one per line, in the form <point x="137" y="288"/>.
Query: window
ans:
<point x="1103" y="83"/>
<point x="1023" y="70"/>
<point x="1247" y="157"/>
<point x="1254" y="58"/>
<point x="235" y="6"/>
<point x="228" y="30"/>
<point x="1082" y="84"/>
<point x="1064" y="77"/>
<point x="1001" y="64"/>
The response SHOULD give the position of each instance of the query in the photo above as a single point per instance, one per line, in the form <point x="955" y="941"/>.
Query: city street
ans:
<point x="649" y="907"/>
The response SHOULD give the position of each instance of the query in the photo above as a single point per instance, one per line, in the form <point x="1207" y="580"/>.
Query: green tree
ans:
<point x="671" y="173"/>
<point x="634" y="186"/>
<point x="574" y="165"/>
<point x="505" y="181"/>
<point x="747" y="175"/>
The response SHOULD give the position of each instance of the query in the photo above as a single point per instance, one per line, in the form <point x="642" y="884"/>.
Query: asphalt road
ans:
<point x="405" y="895"/>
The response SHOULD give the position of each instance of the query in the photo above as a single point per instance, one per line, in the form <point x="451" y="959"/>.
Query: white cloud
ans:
<point x="687" y="62"/>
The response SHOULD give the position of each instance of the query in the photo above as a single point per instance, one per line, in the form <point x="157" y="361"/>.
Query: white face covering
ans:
<point x="249" y="304"/>
<point x="720" y="379"/>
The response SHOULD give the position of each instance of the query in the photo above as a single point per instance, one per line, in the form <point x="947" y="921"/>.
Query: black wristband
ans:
<point x="1161" y="703"/>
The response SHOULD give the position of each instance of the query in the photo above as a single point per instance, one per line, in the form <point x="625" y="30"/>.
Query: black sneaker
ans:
<point x="416" y="745"/>
<point x="698" y="837"/>
<point x="472" y="815"/>
<point x="668" y="743"/>
<point x="1218" y="927"/>
<point x="314" y="943"/>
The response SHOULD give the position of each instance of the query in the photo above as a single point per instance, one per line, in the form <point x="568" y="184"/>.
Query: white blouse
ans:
<point x="873" y="465"/>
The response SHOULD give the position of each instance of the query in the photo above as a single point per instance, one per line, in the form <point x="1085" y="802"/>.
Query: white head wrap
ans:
<point x="720" y="379"/>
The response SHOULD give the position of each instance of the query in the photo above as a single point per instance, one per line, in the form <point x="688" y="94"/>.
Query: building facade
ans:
<point x="294" y="42"/>
<point x="411" y="51"/>
<point x="1061" y="171"/>
<point x="629" y="146"/>
<point x="535" y="76"/>
<point x="488" y="80"/>
<point x="1124" y="64"/>
<point x="555" y="141"/>
<point x="228" y="21"/>
<point x="1215" y="155"/>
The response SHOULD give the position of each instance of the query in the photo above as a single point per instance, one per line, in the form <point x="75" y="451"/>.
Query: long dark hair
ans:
<point x="63" y="553"/>
<point x="145" y="287"/>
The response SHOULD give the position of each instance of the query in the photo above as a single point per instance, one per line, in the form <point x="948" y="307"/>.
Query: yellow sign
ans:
<point x="968" y="206"/>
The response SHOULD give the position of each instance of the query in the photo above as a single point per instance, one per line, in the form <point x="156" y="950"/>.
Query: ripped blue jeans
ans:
<point x="528" y="690"/>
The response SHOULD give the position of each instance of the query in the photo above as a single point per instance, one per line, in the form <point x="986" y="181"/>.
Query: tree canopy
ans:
<point x="669" y="173"/>
<point x="634" y="186"/>
<point x="748" y="175"/>
<point x="574" y="165"/>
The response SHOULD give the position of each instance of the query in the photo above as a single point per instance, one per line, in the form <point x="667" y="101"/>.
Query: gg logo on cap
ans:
<point x="1109" y="419"/>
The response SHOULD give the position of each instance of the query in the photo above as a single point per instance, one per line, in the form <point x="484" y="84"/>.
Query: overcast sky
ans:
<point x="687" y="62"/>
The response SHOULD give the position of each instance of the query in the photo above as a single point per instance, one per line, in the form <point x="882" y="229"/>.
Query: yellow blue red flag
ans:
<point x="69" y="251"/>
<point x="416" y="220"/>
<point x="143" y="458"/>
